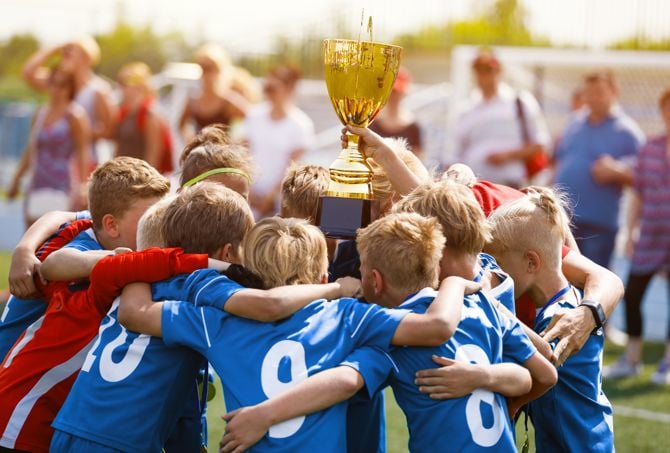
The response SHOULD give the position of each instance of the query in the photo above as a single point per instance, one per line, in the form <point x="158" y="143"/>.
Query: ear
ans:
<point x="533" y="261"/>
<point x="324" y="279"/>
<point x="377" y="282"/>
<point x="110" y="226"/>
<point x="230" y="254"/>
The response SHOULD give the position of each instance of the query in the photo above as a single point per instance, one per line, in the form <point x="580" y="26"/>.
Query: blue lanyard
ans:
<point x="554" y="299"/>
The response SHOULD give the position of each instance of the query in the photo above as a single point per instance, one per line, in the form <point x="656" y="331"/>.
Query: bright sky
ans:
<point x="250" y="25"/>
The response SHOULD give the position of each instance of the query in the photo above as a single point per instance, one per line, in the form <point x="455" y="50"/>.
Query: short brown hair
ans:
<point x="405" y="247"/>
<point x="116" y="184"/>
<point x="455" y="207"/>
<point x="206" y="217"/>
<point x="212" y="155"/>
<point x="288" y="74"/>
<point x="286" y="252"/>
<point x="301" y="189"/>
<point x="214" y="133"/>
<point x="604" y="74"/>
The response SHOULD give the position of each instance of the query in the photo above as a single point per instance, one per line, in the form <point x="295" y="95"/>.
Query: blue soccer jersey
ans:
<point x="575" y="414"/>
<point x="504" y="292"/>
<point x="137" y="386"/>
<point x="477" y="422"/>
<point x="17" y="316"/>
<point x="259" y="360"/>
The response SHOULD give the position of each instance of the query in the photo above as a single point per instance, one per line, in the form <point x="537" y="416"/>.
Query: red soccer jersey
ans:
<point x="490" y="197"/>
<point x="39" y="370"/>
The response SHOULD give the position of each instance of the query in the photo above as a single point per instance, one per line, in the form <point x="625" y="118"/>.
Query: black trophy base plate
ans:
<point x="340" y="217"/>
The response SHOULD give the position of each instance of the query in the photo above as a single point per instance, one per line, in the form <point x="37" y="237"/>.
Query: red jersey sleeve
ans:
<point x="112" y="273"/>
<point x="62" y="237"/>
<point x="490" y="196"/>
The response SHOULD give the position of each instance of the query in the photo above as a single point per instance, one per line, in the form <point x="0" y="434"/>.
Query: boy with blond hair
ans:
<point x="528" y="233"/>
<point x="399" y="262"/>
<point x="119" y="192"/>
<point x="248" y="356"/>
<point x="301" y="189"/>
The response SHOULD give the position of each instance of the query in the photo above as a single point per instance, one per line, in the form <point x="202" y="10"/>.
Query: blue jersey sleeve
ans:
<point x="370" y="324"/>
<point x="374" y="365"/>
<point x="84" y="242"/>
<point x="517" y="347"/>
<point x="203" y="287"/>
<point x="182" y="323"/>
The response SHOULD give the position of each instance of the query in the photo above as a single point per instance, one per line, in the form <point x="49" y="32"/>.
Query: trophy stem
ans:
<point x="350" y="174"/>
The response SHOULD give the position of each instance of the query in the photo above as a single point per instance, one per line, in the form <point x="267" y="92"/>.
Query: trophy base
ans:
<point x="339" y="218"/>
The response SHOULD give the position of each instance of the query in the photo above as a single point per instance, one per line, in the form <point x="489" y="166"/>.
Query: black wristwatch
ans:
<point x="597" y="312"/>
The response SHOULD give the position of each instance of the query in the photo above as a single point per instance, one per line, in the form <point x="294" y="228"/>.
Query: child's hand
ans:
<point x="469" y="287"/>
<point x="244" y="427"/>
<point x="349" y="286"/>
<point x="371" y="144"/>
<point x="23" y="267"/>
<point x="452" y="380"/>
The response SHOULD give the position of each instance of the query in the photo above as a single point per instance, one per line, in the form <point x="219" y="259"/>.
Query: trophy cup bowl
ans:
<point x="359" y="76"/>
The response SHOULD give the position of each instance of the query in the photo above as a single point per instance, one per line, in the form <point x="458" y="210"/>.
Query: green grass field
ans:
<point x="632" y="434"/>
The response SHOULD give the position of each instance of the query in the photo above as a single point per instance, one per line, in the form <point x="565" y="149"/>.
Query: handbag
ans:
<point x="537" y="161"/>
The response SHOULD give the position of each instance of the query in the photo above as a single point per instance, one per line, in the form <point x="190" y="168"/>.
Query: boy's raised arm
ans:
<point x="247" y="425"/>
<point x="439" y="322"/>
<point x="71" y="264"/>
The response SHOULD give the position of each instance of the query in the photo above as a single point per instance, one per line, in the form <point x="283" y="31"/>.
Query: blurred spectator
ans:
<point x="141" y="131"/>
<point x="594" y="161"/>
<point x="60" y="132"/>
<point x="503" y="132"/>
<point x="577" y="99"/>
<point x="278" y="133"/>
<point x="91" y="92"/>
<point x="649" y="242"/>
<point x="218" y="101"/>
<point x="394" y="120"/>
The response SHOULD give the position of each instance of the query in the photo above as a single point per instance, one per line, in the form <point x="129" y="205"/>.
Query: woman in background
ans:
<point x="60" y="133"/>
<point x="219" y="101"/>
<point x="141" y="131"/>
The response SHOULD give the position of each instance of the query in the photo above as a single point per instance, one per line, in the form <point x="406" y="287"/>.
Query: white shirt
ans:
<point x="272" y="141"/>
<point x="488" y="127"/>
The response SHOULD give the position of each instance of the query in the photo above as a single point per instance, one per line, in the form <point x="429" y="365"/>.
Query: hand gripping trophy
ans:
<point x="359" y="76"/>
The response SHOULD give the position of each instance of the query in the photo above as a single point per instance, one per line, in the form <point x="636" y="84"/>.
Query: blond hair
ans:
<point x="537" y="221"/>
<point x="301" y="189"/>
<point x="206" y="217"/>
<point x="150" y="225"/>
<point x="381" y="185"/>
<point x="215" y="54"/>
<point x="115" y="185"/>
<point x="136" y="73"/>
<point x="90" y="47"/>
<point x="405" y="248"/>
<point x="455" y="207"/>
<point x="286" y="252"/>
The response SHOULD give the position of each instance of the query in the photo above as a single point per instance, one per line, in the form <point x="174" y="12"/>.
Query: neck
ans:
<point x="106" y="241"/>
<point x="463" y="265"/>
<point x="545" y="287"/>
<point x="392" y="297"/>
<point x="489" y="92"/>
<point x="81" y="77"/>
<point x="278" y="110"/>
<point x="596" y="117"/>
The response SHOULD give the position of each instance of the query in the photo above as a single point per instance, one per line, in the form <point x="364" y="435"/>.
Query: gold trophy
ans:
<point x="359" y="77"/>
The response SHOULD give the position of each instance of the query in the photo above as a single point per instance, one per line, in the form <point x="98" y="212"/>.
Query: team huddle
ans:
<point x="142" y="296"/>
